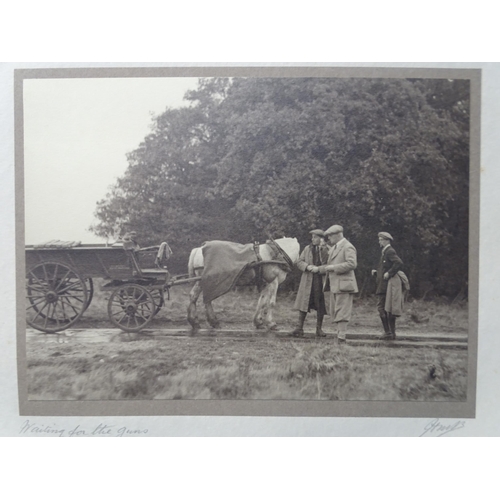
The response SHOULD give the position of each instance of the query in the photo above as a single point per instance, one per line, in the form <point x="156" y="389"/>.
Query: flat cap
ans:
<point x="334" y="230"/>
<point x="387" y="236"/>
<point x="129" y="235"/>
<point x="319" y="232"/>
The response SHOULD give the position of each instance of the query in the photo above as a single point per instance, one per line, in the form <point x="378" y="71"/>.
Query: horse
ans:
<point x="275" y="259"/>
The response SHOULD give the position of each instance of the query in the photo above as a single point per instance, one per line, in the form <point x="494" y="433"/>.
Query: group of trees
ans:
<point x="248" y="157"/>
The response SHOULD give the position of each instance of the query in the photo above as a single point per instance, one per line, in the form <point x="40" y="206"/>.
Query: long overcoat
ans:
<point x="389" y="263"/>
<point x="342" y="260"/>
<point x="305" y="286"/>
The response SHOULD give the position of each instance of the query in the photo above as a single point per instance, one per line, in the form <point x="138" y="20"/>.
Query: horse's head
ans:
<point x="291" y="247"/>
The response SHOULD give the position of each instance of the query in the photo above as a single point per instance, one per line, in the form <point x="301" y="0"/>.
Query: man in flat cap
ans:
<point x="388" y="267"/>
<point x="310" y="294"/>
<point x="340" y="278"/>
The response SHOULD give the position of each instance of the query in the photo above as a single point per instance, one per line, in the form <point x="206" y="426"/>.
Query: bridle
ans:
<point x="280" y="251"/>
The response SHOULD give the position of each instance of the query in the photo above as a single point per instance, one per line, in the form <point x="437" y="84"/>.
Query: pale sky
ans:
<point x="77" y="132"/>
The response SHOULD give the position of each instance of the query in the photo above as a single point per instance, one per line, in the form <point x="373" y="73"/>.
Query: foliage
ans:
<point x="248" y="157"/>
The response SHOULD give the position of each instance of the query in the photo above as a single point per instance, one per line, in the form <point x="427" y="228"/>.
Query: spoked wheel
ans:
<point x="90" y="292"/>
<point x="159" y="300"/>
<point x="56" y="297"/>
<point x="131" y="308"/>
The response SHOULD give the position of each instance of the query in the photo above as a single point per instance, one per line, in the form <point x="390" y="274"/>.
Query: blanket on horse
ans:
<point x="223" y="263"/>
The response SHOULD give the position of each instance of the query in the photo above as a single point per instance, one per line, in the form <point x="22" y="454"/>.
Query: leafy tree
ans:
<point x="256" y="156"/>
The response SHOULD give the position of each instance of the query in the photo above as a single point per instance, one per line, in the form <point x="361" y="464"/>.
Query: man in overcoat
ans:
<point x="310" y="294"/>
<point x="340" y="278"/>
<point x="389" y="265"/>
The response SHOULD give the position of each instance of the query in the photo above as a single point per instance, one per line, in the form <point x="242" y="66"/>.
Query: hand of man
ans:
<point x="315" y="269"/>
<point x="386" y="276"/>
<point x="309" y="268"/>
<point x="374" y="272"/>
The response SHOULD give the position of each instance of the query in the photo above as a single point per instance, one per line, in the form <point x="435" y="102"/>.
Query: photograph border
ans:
<point x="459" y="409"/>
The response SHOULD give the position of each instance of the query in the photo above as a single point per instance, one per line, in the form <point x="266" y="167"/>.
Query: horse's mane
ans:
<point x="289" y="245"/>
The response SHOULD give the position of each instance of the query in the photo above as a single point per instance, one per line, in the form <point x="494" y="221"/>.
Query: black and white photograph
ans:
<point x="244" y="241"/>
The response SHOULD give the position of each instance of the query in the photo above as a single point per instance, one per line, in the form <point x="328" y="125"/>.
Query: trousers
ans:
<point x="341" y="306"/>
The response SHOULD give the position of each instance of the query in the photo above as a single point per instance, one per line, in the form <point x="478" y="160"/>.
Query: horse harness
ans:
<point x="279" y="252"/>
<point x="280" y="257"/>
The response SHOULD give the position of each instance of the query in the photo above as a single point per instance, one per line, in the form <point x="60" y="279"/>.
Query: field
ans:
<point x="244" y="363"/>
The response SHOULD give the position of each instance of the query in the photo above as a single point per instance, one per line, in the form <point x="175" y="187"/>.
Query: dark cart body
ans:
<point x="59" y="285"/>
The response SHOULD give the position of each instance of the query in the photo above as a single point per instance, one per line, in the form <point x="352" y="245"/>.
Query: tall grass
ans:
<point x="211" y="368"/>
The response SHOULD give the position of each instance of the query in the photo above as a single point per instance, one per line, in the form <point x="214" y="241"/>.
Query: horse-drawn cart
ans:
<point x="59" y="285"/>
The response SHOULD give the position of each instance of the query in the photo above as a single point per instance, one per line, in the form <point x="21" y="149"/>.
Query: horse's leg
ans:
<point x="261" y="317"/>
<point x="211" y="317"/>
<point x="273" y="291"/>
<point x="257" y="318"/>
<point x="192" y="313"/>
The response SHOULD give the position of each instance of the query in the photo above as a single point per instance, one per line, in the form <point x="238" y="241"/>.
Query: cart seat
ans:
<point x="146" y="272"/>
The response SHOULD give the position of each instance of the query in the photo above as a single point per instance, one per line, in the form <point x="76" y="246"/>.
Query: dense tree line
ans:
<point x="248" y="157"/>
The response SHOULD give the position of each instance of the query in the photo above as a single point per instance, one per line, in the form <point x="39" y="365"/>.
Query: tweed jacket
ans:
<point x="306" y="259"/>
<point x="342" y="260"/>
<point x="389" y="263"/>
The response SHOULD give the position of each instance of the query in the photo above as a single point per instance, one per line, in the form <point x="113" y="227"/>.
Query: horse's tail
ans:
<point x="193" y="265"/>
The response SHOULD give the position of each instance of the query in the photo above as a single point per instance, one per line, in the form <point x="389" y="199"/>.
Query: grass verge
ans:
<point x="211" y="368"/>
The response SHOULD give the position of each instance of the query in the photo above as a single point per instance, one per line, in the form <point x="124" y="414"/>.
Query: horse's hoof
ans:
<point x="259" y="326"/>
<point x="195" y="329"/>
<point x="273" y="328"/>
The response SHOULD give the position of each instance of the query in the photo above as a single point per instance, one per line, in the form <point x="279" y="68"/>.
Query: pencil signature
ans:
<point x="436" y="428"/>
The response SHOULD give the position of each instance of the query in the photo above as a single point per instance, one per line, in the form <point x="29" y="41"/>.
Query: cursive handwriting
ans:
<point x="29" y="428"/>
<point x="33" y="428"/>
<point x="436" y="428"/>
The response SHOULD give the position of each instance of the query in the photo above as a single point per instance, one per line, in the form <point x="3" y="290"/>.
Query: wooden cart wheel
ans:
<point x="56" y="297"/>
<point x="159" y="299"/>
<point x="90" y="291"/>
<point x="131" y="307"/>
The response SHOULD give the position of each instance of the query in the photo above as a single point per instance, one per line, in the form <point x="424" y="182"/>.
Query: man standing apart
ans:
<point x="340" y="280"/>
<point x="388" y="267"/>
<point x="310" y="294"/>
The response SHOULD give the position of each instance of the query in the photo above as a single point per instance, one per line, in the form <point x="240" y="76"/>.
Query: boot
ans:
<point x="385" y="323"/>
<point x="392" y="324"/>
<point x="388" y="333"/>
<point x="319" y="323"/>
<point x="299" y="329"/>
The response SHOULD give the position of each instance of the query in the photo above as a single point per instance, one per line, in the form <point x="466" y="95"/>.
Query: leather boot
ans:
<point x="299" y="329"/>
<point x="319" y="324"/>
<point x="392" y="324"/>
<point x="386" y="321"/>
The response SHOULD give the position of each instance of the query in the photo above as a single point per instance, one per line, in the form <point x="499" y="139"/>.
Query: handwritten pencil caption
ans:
<point x="32" y="429"/>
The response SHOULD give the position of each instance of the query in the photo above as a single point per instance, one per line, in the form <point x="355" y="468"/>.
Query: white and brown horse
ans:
<point x="276" y="259"/>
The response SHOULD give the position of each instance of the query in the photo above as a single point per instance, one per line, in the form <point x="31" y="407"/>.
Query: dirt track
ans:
<point x="366" y="337"/>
